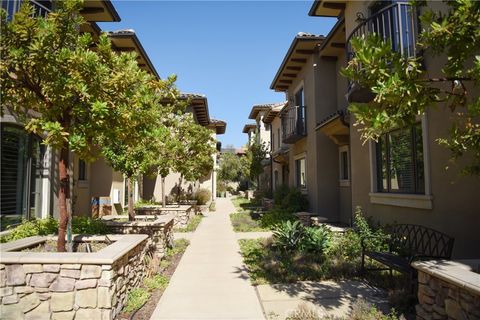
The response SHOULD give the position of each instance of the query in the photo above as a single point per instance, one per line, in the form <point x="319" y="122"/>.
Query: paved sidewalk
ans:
<point x="211" y="281"/>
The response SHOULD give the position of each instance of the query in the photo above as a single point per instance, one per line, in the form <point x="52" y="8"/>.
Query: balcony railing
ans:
<point x="397" y="23"/>
<point x="293" y="124"/>
<point x="41" y="8"/>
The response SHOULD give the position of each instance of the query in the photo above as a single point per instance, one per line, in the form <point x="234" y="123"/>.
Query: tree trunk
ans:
<point x="164" y="197"/>
<point x="131" y="213"/>
<point x="63" y="195"/>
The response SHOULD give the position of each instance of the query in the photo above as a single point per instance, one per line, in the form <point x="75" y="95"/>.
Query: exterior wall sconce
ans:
<point x="360" y="18"/>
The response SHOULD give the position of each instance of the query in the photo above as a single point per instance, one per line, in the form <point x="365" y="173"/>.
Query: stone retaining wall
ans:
<point x="446" y="297"/>
<point x="182" y="214"/>
<point x="159" y="231"/>
<point x="75" y="286"/>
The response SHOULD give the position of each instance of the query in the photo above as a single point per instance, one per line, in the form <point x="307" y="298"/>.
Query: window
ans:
<point x="399" y="161"/>
<point x="301" y="178"/>
<point x="344" y="164"/>
<point x="278" y="137"/>
<point x="82" y="170"/>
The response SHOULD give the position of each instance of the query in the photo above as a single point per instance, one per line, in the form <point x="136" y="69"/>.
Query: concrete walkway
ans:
<point x="211" y="281"/>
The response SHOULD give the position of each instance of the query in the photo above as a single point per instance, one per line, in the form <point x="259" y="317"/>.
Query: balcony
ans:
<point x="293" y="124"/>
<point x="396" y="23"/>
<point x="41" y="7"/>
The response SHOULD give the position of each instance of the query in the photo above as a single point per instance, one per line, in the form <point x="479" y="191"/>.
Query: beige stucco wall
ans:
<point x="455" y="206"/>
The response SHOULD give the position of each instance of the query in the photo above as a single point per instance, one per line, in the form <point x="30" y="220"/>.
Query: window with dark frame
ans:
<point x="82" y="170"/>
<point x="344" y="165"/>
<point x="399" y="159"/>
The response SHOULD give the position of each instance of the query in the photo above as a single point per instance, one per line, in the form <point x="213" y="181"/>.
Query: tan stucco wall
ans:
<point x="455" y="206"/>
<point x="105" y="181"/>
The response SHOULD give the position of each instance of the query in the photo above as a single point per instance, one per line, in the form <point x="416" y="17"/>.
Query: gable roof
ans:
<point x="199" y="107"/>
<point x="248" y="127"/>
<point x="220" y="126"/>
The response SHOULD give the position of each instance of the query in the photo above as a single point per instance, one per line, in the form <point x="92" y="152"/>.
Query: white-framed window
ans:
<point x="344" y="166"/>
<point x="301" y="172"/>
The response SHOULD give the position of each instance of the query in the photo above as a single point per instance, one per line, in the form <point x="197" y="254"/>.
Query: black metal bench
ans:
<point x="407" y="243"/>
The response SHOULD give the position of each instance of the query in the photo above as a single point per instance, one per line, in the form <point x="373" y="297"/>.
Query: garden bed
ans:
<point x="145" y="299"/>
<point x="71" y="284"/>
<point x="158" y="228"/>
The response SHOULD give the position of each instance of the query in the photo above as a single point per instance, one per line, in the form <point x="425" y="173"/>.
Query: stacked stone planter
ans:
<point x="158" y="229"/>
<point x="448" y="290"/>
<point x="182" y="214"/>
<point x="73" y="285"/>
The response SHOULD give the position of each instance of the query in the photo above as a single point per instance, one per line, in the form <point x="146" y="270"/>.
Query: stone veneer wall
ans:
<point x="181" y="215"/>
<point x="70" y="291"/>
<point x="160" y="232"/>
<point x="440" y="300"/>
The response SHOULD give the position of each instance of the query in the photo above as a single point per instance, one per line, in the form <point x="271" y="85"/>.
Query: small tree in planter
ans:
<point x="68" y="88"/>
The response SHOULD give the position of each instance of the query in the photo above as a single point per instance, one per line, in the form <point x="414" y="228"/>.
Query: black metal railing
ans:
<point x="41" y="8"/>
<point x="293" y="124"/>
<point x="397" y="23"/>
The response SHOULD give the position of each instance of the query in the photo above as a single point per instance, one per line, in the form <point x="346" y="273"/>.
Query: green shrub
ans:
<point x="203" y="196"/>
<point x="280" y="194"/>
<point x="295" y="201"/>
<point x="86" y="225"/>
<point x="275" y="216"/>
<point x="30" y="228"/>
<point x="374" y="238"/>
<point x="158" y="281"/>
<point x="287" y="236"/>
<point x="43" y="227"/>
<point x="316" y="239"/>
<point x="136" y="299"/>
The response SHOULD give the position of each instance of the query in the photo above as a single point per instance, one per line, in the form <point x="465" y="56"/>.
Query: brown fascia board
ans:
<point x="290" y="51"/>
<point x="203" y="104"/>
<point x="256" y="109"/>
<point x="138" y="44"/>
<point x="219" y="125"/>
<point x="249" y="126"/>
<point x="112" y="10"/>
<point x="313" y="9"/>
<point x="331" y="34"/>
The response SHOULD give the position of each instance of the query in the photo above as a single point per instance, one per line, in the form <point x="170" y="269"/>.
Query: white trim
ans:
<point x="46" y="181"/>
<point x="418" y="201"/>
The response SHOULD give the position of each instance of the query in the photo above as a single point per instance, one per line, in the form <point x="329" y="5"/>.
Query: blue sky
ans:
<point x="227" y="50"/>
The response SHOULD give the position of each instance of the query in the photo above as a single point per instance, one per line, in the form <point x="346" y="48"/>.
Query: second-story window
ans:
<point x="301" y="116"/>
<point x="300" y="173"/>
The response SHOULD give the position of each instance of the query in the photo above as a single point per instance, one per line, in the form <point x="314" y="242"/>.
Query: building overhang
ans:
<point x="99" y="11"/>
<point x="334" y="44"/>
<point x="273" y="112"/>
<point x="302" y="47"/>
<point x="198" y="105"/>
<point x="280" y="155"/>
<point x="249" y="127"/>
<point x="336" y="128"/>
<point x="127" y="41"/>
<point x="219" y="126"/>
<point x="330" y="8"/>
<point x="256" y="109"/>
